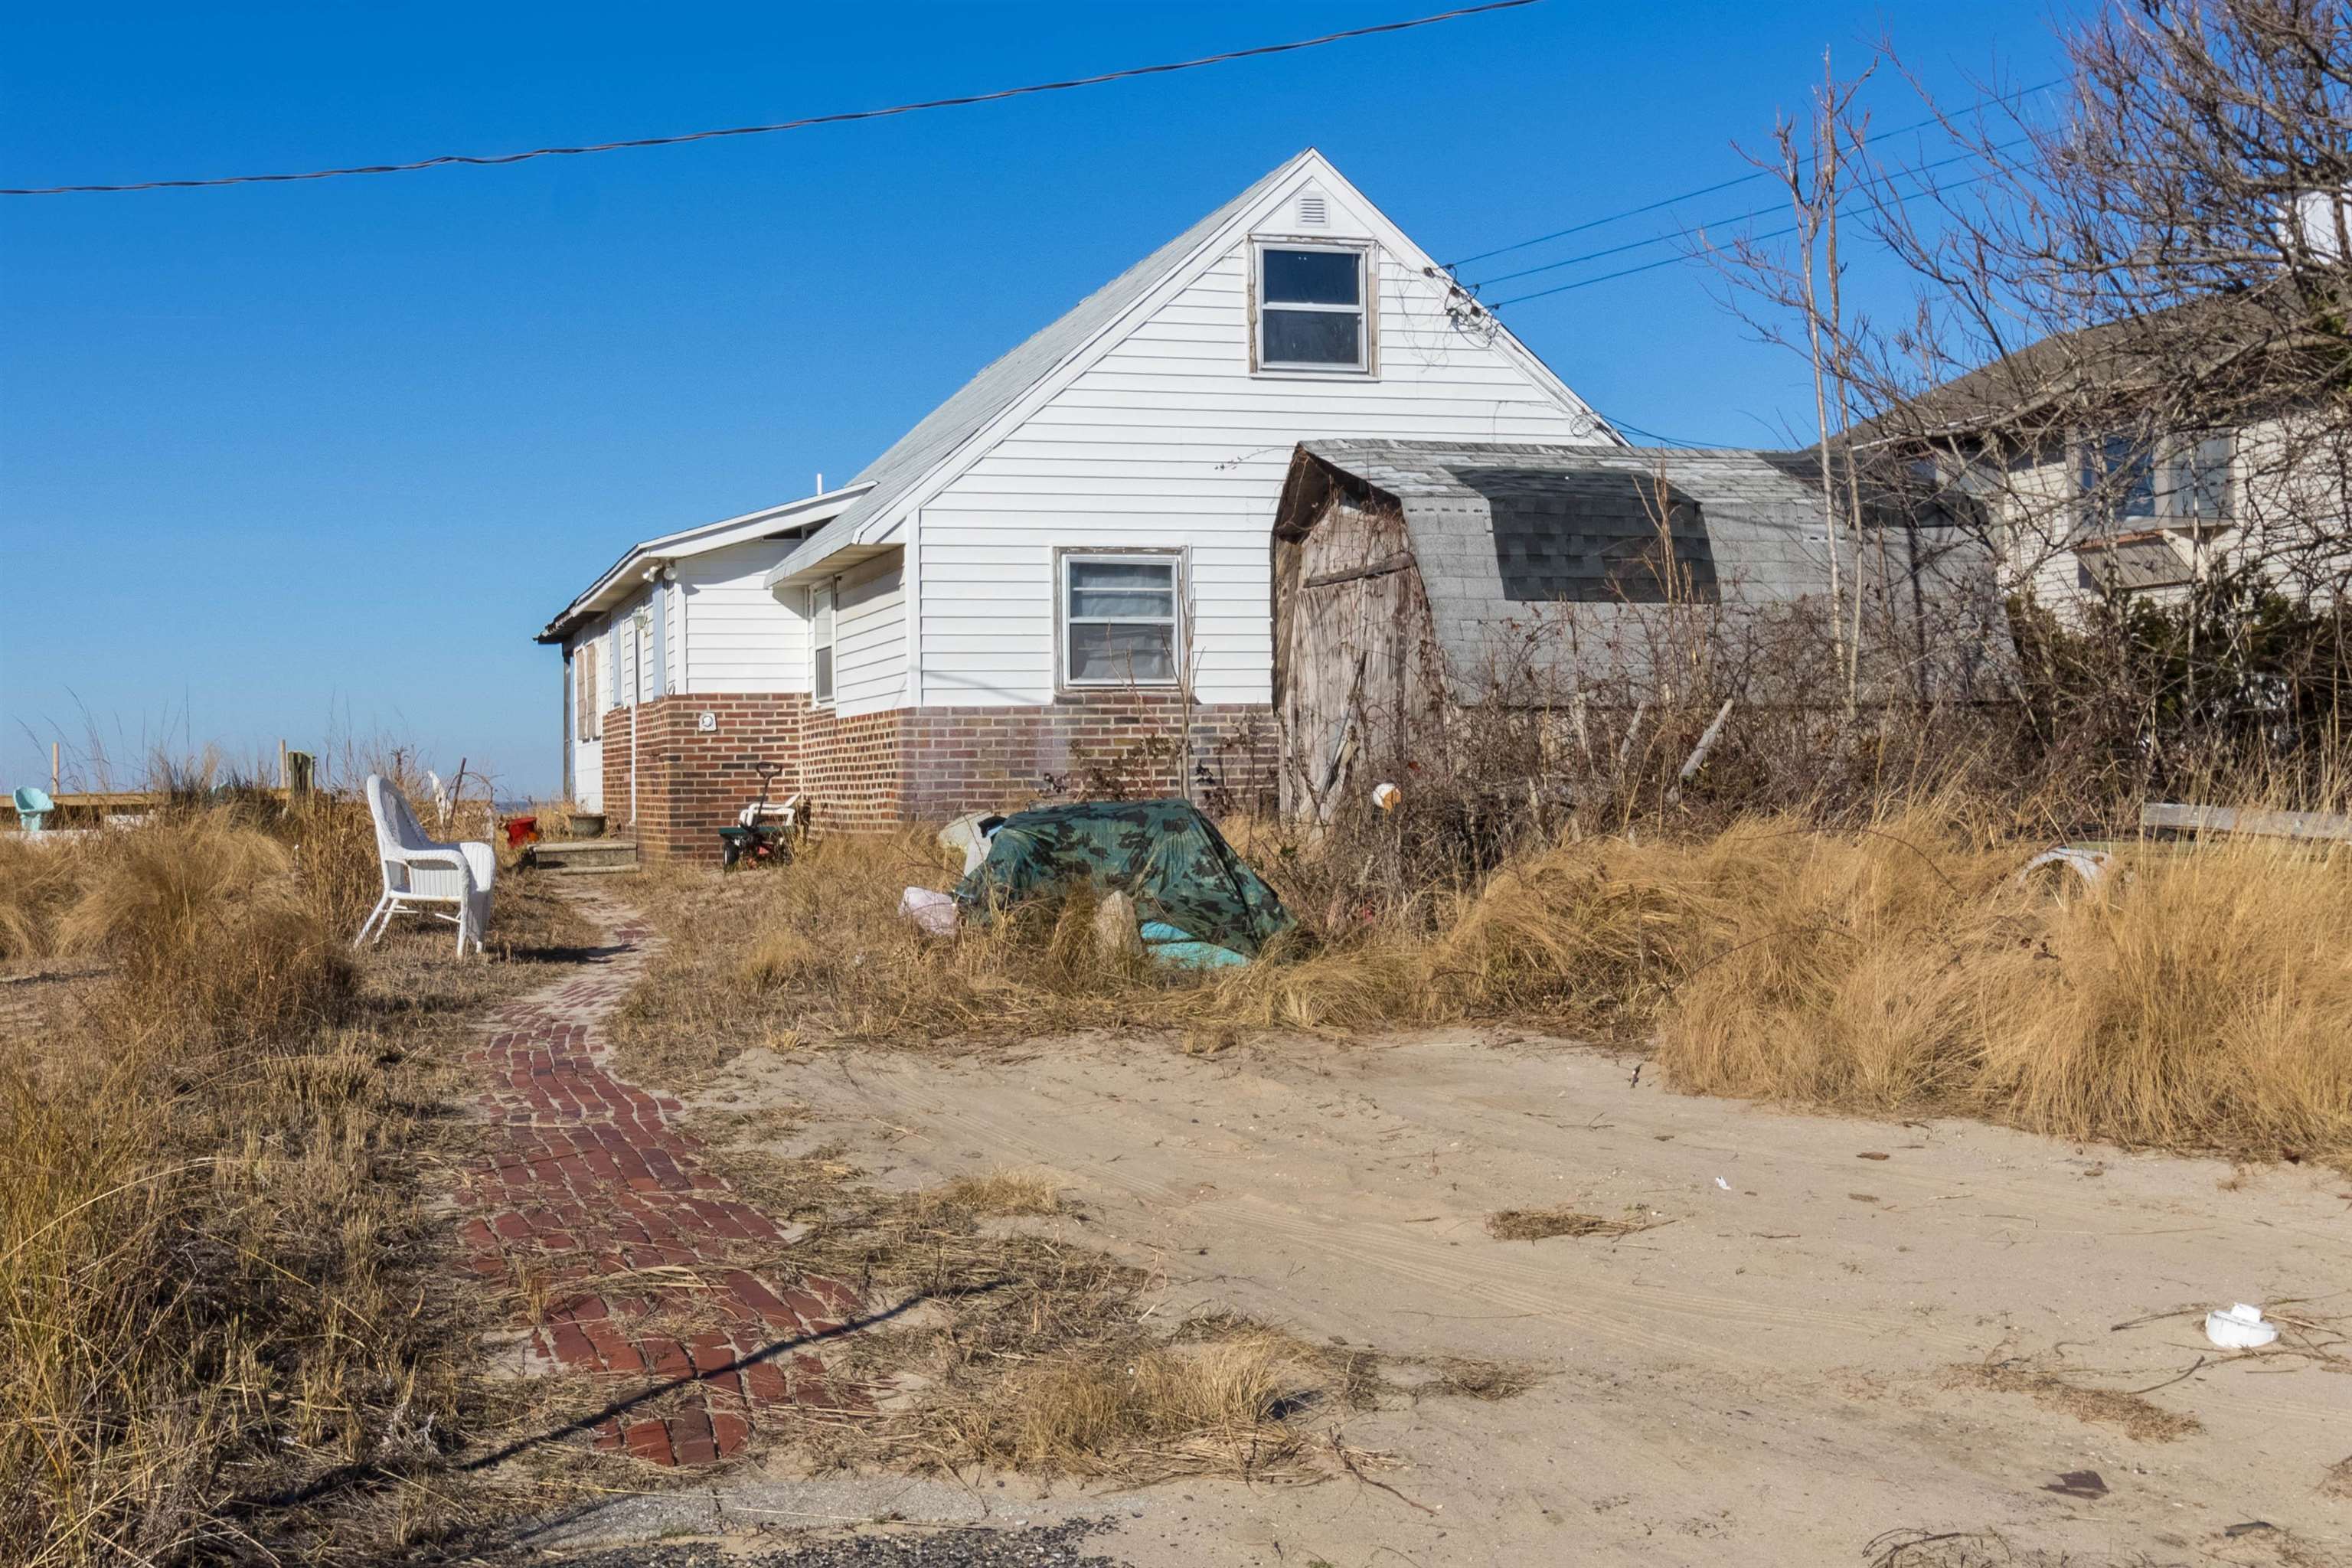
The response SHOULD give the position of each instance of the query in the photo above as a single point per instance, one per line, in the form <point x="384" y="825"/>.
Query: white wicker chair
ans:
<point x="420" y="871"/>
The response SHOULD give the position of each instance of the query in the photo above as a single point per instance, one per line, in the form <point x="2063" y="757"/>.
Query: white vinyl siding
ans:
<point x="731" y="633"/>
<point x="869" y="658"/>
<point x="1169" y="440"/>
<point x="673" y="625"/>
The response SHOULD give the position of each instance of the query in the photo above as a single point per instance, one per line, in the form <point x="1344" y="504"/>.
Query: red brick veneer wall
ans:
<point x="973" y="759"/>
<point x="870" y="771"/>
<point x="856" y="770"/>
<point x="691" y="782"/>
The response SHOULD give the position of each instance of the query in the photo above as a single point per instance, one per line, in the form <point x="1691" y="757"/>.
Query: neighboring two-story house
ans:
<point x="2138" y="456"/>
<point x="1069" y="554"/>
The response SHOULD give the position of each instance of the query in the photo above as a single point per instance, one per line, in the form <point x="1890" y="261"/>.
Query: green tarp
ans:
<point x="1163" y="853"/>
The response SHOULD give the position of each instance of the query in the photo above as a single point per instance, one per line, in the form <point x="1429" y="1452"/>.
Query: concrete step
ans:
<point x="613" y="870"/>
<point x="588" y="855"/>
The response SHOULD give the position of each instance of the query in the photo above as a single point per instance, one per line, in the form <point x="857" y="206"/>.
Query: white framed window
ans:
<point x="1311" y="307"/>
<point x="821" y="619"/>
<point x="645" y="683"/>
<point x="1120" y="620"/>
<point x="2178" y="481"/>
<point x="588" y="698"/>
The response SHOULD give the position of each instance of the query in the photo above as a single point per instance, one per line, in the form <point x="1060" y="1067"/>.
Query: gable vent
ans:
<point x="1312" y="213"/>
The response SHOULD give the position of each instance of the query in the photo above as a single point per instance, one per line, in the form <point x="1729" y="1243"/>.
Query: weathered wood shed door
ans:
<point x="1351" y="628"/>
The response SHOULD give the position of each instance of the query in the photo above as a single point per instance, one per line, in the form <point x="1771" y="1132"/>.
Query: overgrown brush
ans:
<point x="38" y="882"/>
<point x="211" y="941"/>
<point x="209" y="1233"/>
<point x="2198" y="1001"/>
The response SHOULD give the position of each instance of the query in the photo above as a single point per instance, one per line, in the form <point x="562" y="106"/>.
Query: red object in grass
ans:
<point x="521" y="830"/>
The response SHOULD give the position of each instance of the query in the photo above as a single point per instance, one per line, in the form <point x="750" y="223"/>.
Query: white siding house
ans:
<point x="1153" y="419"/>
<point x="681" y="614"/>
<point x="1085" y="526"/>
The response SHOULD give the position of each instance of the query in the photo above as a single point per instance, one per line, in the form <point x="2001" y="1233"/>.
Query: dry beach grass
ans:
<point x="2197" y="1001"/>
<point x="211" y="1242"/>
<point x="210" y="1238"/>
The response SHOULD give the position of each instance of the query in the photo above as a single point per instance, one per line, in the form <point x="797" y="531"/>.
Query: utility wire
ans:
<point x="1669" y="261"/>
<point x="1710" y="190"/>
<point x="1668" y="440"/>
<point x="1736" y="217"/>
<point x="490" y="160"/>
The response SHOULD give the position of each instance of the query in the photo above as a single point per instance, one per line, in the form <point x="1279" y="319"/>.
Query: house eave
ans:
<point x="820" y="555"/>
<point x="804" y="566"/>
<point x="617" y="580"/>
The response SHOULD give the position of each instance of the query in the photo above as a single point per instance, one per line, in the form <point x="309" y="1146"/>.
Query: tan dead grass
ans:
<point x="210" y="1230"/>
<point x="1137" y="1412"/>
<point x="995" y="1347"/>
<point x="210" y="936"/>
<point x="38" y="882"/>
<point x="2139" y="1419"/>
<point x="2196" y="1003"/>
<point x="1537" y="1225"/>
<point x="998" y="1194"/>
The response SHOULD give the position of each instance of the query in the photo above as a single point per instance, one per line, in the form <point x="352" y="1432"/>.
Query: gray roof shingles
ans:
<point x="1762" y="541"/>
<point x="1004" y="381"/>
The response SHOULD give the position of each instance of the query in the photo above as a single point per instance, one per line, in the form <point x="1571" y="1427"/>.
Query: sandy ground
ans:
<point x="1764" y="1377"/>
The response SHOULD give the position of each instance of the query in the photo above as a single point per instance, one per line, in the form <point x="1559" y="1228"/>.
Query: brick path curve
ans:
<point x="584" y="1183"/>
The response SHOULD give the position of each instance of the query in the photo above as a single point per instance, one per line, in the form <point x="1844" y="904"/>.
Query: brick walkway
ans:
<point x="585" y="1188"/>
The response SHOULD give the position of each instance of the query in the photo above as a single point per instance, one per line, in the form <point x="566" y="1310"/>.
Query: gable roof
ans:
<point x="954" y="425"/>
<point x="766" y="523"/>
<point x="2099" y="373"/>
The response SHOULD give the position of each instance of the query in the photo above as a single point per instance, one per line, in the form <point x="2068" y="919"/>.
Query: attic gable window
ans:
<point x="1310" y="307"/>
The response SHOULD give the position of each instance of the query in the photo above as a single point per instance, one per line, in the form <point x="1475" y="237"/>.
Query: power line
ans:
<point x="1736" y="217"/>
<point x="1668" y="440"/>
<point x="490" y="160"/>
<point x="1709" y="190"/>
<point x="1669" y="261"/>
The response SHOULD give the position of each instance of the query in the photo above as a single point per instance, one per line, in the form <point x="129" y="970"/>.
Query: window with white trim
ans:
<point x="644" y="686"/>
<point x="1310" y="307"/>
<point x="2129" y="483"/>
<point x="587" y="698"/>
<point x="821" y="598"/>
<point x="1120" y="620"/>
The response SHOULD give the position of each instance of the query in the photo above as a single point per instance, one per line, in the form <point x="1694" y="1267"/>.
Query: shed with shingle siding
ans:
<point x="1413" y="578"/>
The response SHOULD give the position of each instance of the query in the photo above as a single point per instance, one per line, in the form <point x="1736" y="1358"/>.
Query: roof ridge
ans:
<point x="1005" y="379"/>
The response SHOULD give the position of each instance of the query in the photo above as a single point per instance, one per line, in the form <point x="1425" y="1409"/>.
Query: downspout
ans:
<point x="563" y="673"/>
<point x="636" y="694"/>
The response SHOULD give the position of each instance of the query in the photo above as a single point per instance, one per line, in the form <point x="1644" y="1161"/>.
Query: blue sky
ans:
<point x="314" y="461"/>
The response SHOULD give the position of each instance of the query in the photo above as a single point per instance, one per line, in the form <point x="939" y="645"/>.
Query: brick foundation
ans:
<point x="869" y="771"/>
<point x="691" y="782"/>
<point x="1108" y="743"/>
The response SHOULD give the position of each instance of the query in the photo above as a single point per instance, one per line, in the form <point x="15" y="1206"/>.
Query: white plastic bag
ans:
<point x="934" y="911"/>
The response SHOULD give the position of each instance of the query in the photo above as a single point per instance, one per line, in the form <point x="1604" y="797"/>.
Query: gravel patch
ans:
<point x="1042" y="1546"/>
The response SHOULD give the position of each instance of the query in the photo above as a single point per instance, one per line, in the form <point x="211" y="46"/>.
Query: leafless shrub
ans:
<point x="2124" y="366"/>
